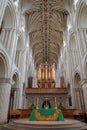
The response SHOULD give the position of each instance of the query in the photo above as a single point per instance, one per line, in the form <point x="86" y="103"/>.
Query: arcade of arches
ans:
<point x="43" y="32"/>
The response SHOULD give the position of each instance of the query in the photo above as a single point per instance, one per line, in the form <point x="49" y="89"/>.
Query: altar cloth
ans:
<point x="46" y="114"/>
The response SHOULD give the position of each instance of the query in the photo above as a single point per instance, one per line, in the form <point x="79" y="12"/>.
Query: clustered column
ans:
<point x="5" y="88"/>
<point x="84" y="88"/>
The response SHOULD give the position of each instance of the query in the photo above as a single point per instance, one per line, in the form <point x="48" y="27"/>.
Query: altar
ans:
<point x="46" y="90"/>
<point x="46" y="115"/>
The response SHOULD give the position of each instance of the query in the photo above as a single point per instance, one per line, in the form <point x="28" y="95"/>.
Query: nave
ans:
<point x="43" y="58"/>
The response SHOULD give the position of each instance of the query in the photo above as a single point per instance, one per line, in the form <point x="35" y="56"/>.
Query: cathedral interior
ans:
<point x="43" y="57"/>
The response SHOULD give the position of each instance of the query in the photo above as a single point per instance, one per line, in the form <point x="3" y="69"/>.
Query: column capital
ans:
<point x="5" y="80"/>
<point x="83" y="81"/>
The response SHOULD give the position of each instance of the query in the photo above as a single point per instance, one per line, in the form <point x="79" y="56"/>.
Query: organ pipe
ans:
<point x="42" y="74"/>
<point x="39" y="72"/>
<point x="46" y="72"/>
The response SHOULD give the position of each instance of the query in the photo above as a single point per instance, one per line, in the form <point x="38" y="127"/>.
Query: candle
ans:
<point x="37" y="102"/>
<point x="46" y="101"/>
<point x="55" y="104"/>
<point x="55" y="99"/>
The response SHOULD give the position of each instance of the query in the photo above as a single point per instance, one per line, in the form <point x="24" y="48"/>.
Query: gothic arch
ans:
<point x="15" y="76"/>
<point x="8" y="26"/>
<point x="78" y="92"/>
<point x="9" y="19"/>
<point x="5" y="70"/>
<point x="14" y="96"/>
<point x="13" y="13"/>
<point x="77" y="79"/>
<point x="15" y="79"/>
<point x="4" y="64"/>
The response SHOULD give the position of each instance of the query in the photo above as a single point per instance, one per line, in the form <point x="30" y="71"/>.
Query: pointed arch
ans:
<point x="15" y="76"/>
<point x="10" y="5"/>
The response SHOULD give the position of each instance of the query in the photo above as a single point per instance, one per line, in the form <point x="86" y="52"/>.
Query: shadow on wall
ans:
<point x="46" y="104"/>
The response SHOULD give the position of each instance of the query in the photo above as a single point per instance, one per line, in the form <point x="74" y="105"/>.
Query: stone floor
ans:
<point x="25" y="124"/>
<point x="26" y="121"/>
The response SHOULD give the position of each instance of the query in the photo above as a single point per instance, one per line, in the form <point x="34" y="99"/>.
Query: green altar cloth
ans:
<point x="46" y="112"/>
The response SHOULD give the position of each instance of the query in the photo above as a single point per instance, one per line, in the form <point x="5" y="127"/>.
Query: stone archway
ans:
<point x="8" y="26"/>
<point x="81" y="24"/>
<point x="14" y="99"/>
<point x="79" y="100"/>
<point x="5" y="87"/>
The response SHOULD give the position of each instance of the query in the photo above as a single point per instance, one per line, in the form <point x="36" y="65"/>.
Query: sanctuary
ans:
<point x="46" y="94"/>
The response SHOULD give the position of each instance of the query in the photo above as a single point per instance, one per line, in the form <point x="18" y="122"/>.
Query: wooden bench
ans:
<point x="20" y="113"/>
<point x="25" y="113"/>
<point x="68" y="113"/>
<point x="73" y="113"/>
<point x="78" y="114"/>
<point x="14" y="114"/>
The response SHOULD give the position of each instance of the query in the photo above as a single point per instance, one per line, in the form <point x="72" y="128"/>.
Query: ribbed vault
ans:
<point x="45" y="22"/>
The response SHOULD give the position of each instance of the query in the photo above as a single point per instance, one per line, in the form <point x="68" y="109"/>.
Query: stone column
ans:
<point x="5" y="88"/>
<point x="13" y="43"/>
<point x="79" y="47"/>
<point x="70" y="63"/>
<point x="17" y="58"/>
<point x="84" y="87"/>
<point x="83" y="40"/>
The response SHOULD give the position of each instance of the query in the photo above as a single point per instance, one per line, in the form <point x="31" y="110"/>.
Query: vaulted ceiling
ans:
<point x="45" y="24"/>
